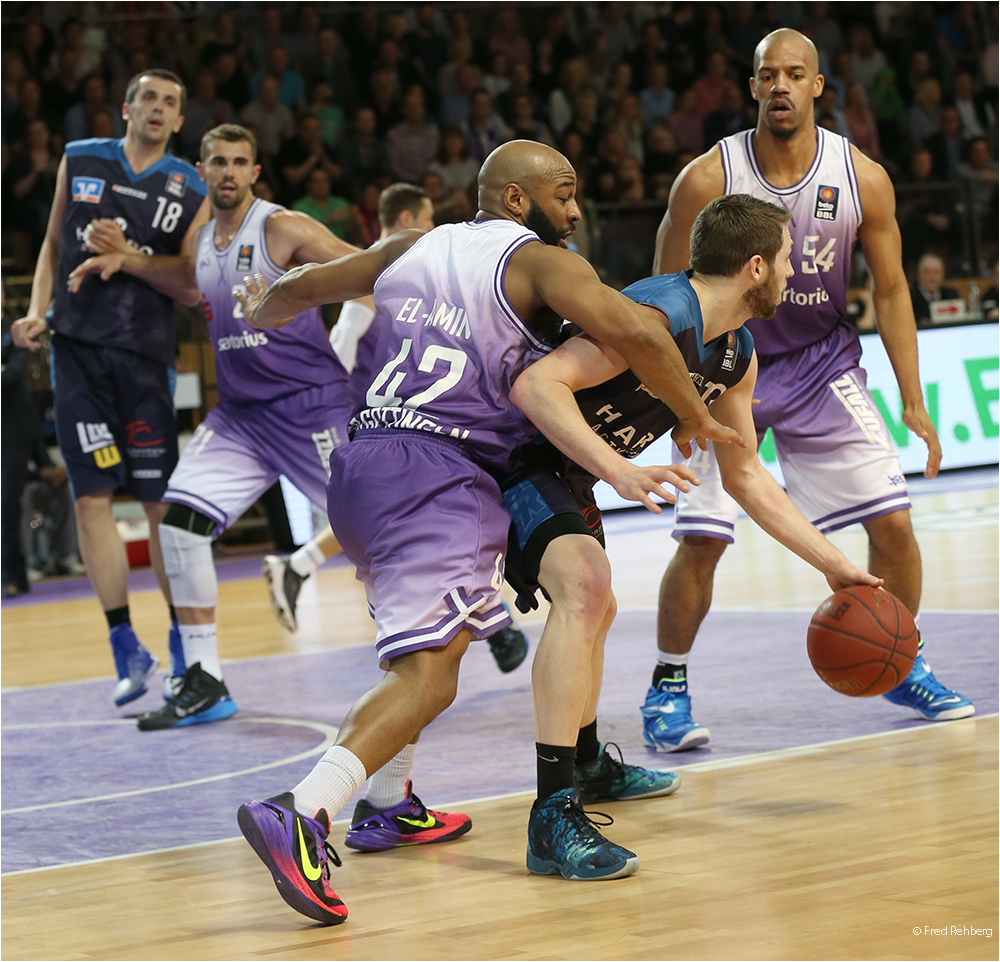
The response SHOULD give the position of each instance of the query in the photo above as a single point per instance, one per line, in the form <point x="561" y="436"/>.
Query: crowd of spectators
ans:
<point x="345" y="98"/>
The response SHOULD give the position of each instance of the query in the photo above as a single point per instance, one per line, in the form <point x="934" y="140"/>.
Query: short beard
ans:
<point x="537" y="221"/>
<point x="227" y="203"/>
<point x="762" y="301"/>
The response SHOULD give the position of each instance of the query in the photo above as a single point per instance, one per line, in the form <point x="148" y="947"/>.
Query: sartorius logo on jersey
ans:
<point x="236" y="342"/>
<point x="826" y="203"/>
<point x="792" y="296"/>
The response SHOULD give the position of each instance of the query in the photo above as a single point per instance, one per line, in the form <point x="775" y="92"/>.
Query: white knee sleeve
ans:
<point x="187" y="560"/>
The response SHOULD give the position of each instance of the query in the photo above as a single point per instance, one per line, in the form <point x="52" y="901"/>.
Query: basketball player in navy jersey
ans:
<point x="596" y="416"/>
<point x="838" y="464"/>
<point x="113" y="344"/>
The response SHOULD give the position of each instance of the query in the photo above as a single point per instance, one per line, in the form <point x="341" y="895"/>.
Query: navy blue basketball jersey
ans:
<point x="154" y="208"/>
<point x="622" y="411"/>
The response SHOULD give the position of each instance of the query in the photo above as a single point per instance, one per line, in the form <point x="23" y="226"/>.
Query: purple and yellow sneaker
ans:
<point x="408" y="823"/>
<point x="295" y="849"/>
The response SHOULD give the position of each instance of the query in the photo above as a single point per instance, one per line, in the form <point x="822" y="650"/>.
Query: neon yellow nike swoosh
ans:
<point x="428" y="821"/>
<point x="311" y="872"/>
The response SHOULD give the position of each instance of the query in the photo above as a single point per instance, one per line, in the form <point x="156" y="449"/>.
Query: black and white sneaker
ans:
<point x="283" y="585"/>
<point x="201" y="698"/>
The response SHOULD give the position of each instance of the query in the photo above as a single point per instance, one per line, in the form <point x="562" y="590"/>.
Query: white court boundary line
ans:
<point x="761" y="757"/>
<point x="328" y="731"/>
<point x="522" y="621"/>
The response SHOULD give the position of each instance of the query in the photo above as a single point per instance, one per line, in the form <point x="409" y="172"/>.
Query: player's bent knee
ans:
<point x="701" y="551"/>
<point x="186" y="545"/>
<point x="891" y="532"/>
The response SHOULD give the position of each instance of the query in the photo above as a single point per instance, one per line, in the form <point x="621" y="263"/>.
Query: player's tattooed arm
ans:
<point x="880" y="239"/>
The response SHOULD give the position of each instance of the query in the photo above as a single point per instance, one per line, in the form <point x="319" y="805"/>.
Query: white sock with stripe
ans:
<point x="200" y="645"/>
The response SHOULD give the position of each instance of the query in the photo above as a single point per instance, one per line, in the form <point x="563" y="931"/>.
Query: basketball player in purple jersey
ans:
<point x="464" y="309"/>
<point x="838" y="464"/>
<point x="400" y="207"/>
<point x="283" y="406"/>
<point x="113" y="345"/>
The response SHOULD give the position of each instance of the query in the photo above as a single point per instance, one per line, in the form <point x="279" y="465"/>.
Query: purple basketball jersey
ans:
<point x="826" y="212"/>
<point x="450" y="344"/>
<point x="252" y="365"/>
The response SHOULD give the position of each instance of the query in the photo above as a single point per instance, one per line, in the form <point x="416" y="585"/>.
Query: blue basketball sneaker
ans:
<point x="174" y="681"/>
<point x="922" y="692"/>
<point x="563" y="840"/>
<point x="666" y="719"/>
<point x="134" y="664"/>
<point x="608" y="779"/>
<point x="202" y="698"/>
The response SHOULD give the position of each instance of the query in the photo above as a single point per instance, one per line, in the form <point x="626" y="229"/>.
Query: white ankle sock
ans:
<point x="336" y="777"/>
<point x="307" y="559"/>
<point x="199" y="644"/>
<point x="387" y="787"/>
<point x="669" y="658"/>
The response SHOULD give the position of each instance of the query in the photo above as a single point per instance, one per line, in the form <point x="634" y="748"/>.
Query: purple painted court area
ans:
<point x="141" y="579"/>
<point x="751" y="682"/>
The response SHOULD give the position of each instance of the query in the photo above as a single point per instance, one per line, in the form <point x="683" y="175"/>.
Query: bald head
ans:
<point x="527" y="182"/>
<point x="792" y="45"/>
<point x="526" y="163"/>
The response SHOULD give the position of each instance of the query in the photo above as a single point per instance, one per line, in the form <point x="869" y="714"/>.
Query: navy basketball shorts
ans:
<point x="545" y="504"/>
<point x="115" y="419"/>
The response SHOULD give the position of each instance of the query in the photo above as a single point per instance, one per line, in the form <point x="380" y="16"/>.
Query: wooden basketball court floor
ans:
<point x="813" y="825"/>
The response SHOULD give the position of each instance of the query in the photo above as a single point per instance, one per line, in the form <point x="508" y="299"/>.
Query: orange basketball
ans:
<point x="862" y="641"/>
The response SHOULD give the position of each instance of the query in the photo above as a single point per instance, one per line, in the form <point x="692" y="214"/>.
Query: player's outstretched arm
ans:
<point x="753" y="488"/>
<point x="540" y="275"/>
<point x="879" y="234"/>
<point x="26" y="330"/>
<point x="544" y="392"/>
<point x="311" y="285"/>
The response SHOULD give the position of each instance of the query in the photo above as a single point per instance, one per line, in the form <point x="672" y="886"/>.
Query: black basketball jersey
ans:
<point x="622" y="411"/>
<point x="154" y="208"/>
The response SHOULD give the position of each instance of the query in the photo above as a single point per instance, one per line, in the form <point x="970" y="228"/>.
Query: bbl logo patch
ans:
<point x="244" y="257"/>
<point x="177" y="184"/>
<point x="729" y="361"/>
<point x="826" y="203"/>
<point x="88" y="190"/>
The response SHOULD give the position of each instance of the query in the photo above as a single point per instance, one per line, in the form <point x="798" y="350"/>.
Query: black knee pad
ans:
<point x="187" y="519"/>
